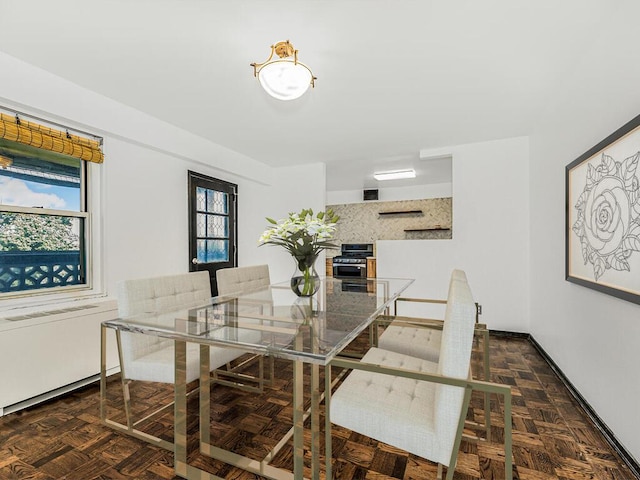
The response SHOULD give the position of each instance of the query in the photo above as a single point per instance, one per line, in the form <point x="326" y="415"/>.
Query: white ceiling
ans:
<point x="394" y="76"/>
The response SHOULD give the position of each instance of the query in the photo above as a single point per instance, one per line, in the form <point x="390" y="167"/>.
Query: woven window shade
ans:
<point x="39" y="136"/>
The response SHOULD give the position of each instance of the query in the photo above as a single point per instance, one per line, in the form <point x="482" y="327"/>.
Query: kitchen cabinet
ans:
<point x="371" y="267"/>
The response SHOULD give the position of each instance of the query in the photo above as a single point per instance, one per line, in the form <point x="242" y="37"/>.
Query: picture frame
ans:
<point x="602" y="228"/>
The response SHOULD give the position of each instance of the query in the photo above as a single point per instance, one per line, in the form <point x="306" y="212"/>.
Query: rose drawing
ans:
<point x="608" y="214"/>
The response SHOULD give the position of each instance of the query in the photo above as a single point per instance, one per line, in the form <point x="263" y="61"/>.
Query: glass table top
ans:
<point x="274" y="321"/>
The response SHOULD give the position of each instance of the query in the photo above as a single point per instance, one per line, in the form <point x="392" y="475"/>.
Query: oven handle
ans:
<point x="356" y="265"/>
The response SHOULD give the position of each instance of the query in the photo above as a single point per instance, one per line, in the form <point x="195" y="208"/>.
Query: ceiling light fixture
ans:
<point x="5" y="161"/>
<point x="284" y="78"/>
<point x="395" y="174"/>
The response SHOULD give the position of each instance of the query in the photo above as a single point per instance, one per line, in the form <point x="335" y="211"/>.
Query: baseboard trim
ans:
<point x="507" y="334"/>
<point x="609" y="436"/>
<point x="44" y="397"/>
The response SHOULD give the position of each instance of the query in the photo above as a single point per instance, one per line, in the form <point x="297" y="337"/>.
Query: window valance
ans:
<point x="33" y="134"/>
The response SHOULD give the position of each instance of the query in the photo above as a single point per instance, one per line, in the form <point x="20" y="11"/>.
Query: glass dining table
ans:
<point x="272" y="322"/>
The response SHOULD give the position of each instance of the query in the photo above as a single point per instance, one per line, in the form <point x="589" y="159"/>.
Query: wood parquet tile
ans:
<point x="63" y="439"/>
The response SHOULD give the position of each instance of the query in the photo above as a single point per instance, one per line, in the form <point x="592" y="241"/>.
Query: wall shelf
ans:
<point x="428" y="229"/>
<point x="401" y="212"/>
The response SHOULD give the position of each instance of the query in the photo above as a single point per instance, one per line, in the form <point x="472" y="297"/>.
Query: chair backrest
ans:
<point x="454" y="361"/>
<point x="459" y="275"/>
<point x="155" y="295"/>
<point x="242" y="279"/>
<point x="158" y="294"/>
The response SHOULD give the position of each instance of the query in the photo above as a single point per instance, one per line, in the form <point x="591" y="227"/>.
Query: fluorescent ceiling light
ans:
<point x="395" y="174"/>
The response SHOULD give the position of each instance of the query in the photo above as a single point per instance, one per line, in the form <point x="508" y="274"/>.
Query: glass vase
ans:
<point x="305" y="280"/>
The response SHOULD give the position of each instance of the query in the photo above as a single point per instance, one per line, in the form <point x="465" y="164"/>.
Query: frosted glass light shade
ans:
<point x="285" y="79"/>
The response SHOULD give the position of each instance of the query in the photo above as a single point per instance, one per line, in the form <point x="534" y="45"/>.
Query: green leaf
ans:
<point x="271" y="220"/>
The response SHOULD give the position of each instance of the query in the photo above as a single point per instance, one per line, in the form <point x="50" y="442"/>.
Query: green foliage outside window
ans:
<point x="24" y="232"/>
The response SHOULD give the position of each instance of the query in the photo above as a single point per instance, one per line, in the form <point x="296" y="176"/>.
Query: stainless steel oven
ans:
<point x="350" y="270"/>
<point x="352" y="263"/>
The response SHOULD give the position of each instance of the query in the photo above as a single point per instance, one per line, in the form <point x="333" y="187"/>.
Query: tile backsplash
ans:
<point x="400" y="220"/>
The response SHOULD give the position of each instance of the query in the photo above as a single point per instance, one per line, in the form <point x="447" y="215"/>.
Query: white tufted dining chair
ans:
<point x="242" y="279"/>
<point x="422" y="341"/>
<point x="149" y="358"/>
<point x="239" y="280"/>
<point x="420" y="417"/>
<point x="422" y="338"/>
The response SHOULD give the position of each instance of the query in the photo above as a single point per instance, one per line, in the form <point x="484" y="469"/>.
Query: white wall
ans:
<point x="490" y="235"/>
<point x="146" y="212"/>
<point x="593" y="337"/>
<point x="41" y="93"/>
<point x="141" y="221"/>
<point x="414" y="192"/>
<point x="294" y="188"/>
<point x="143" y="215"/>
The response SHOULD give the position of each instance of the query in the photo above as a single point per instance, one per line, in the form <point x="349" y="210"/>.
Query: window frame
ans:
<point x="85" y="240"/>
<point x="194" y="180"/>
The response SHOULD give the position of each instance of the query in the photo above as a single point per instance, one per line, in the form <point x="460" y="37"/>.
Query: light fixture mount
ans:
<point x="284" y="77"/>
<point x="284" y="49"/>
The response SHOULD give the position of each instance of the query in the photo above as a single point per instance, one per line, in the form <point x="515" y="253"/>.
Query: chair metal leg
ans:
<point x="487" y="378"/>
<point x="272" y="373"/>
<point x="103" y="373"/>
<point x="456" y="444"/>
<point x="180" y="409"/>
<point x="261" y="381"/>
<point x="126" y="394"/>
<point x="508" y="460"/>
<point x="130" y="427"/>
<point x="373" y="334"/>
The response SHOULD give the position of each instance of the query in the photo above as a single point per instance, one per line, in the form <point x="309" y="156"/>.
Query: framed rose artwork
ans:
<point x="603" y="215"/>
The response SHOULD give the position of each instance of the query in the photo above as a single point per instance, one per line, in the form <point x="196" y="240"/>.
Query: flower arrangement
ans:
<point x="304" y="236"/>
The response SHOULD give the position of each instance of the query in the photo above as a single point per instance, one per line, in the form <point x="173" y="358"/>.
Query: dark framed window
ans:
<point x="213" y="225"/>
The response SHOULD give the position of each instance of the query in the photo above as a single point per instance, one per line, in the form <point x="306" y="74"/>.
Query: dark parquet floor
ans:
<point x="64" y="439"/>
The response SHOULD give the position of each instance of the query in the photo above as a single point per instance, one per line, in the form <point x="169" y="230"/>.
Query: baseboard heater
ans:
<point x="49" y="353"/>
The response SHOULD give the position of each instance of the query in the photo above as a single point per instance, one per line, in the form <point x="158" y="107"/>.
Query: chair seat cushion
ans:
<point x="157" y="365"/>
<point x="421" y="342"/>
<point x="365" y="402"/>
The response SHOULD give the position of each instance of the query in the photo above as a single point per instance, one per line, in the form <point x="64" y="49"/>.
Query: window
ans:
<point x="44" y="222"/>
